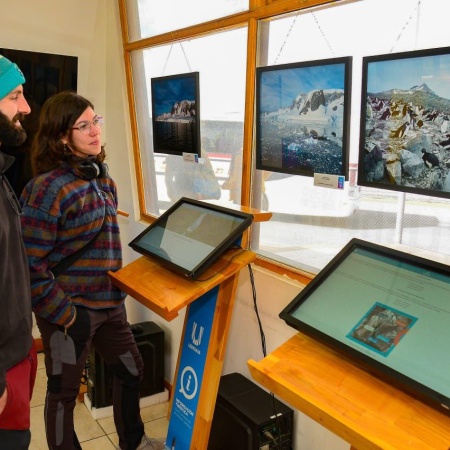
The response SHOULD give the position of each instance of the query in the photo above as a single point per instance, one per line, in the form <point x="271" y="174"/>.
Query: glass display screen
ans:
<point x="388" y="310"/>
<point x="191" y="235"/>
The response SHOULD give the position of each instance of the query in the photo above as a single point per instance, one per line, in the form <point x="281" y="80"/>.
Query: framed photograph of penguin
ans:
<point x="176" y="114"/>
<point x="405" y="122"/>
<point x="302" y="117"/>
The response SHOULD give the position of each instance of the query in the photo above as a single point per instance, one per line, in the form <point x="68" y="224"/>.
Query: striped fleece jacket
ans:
<point x="62" y="212"/>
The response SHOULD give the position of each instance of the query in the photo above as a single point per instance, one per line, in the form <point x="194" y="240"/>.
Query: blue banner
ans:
<point x="190" y="372"/>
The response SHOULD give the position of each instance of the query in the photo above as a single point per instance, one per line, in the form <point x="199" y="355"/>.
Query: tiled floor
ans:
<point x="93" y="434"/>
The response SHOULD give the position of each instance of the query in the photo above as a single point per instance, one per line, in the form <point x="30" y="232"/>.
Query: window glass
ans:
<point x="311" y="224"/>
<point x="149" y="18"/>
<point x="217" y="175"/>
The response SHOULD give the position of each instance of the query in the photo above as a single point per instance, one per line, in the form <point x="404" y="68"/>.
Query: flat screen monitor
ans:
<point x="191" y="235"/>
<point x="388" y="311"/>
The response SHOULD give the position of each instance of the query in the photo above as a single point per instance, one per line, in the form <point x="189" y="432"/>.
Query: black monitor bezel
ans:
<point x="369" y="66"/>
<point x="163" y="86"/>
<point x="397" y="379"/>
<point x="302" y="68"/>
<point x="233" y="237"/>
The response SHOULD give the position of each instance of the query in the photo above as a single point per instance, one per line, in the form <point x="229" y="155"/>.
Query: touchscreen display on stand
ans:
<point x="191" y="235"/>
<point x="387" y="310"/>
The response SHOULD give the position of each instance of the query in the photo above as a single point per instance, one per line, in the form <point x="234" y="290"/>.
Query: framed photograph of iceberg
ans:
<point x="405" y="125"/>
<point x="302" y="117"/>
<point x="176" y="114"/>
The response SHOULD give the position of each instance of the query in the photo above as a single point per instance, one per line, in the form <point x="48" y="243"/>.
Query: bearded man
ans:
<point x="18" y="361"/>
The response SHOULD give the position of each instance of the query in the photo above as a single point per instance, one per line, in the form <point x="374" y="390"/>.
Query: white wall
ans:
<point x="90" y="30"/>
<point x="66" y="28"/>
<point x="273" y="293"/>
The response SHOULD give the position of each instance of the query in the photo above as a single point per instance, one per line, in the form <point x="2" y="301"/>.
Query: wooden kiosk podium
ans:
<point x="209" y="306"/>
<point x="355" y="405"/>
<point x="363" y="410"/>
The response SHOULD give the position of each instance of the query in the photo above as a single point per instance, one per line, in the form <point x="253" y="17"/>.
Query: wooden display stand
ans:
<point x="209" y="306"/>
<point x="350" y="402"/>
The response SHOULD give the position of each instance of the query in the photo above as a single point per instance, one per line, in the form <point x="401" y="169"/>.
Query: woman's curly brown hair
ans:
<point x="57" y="117"/>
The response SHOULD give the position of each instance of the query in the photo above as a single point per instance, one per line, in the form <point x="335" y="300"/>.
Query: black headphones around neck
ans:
<point x="90" y="170"/>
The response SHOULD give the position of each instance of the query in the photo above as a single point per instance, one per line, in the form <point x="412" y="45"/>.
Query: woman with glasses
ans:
<point x="70" y="206"/>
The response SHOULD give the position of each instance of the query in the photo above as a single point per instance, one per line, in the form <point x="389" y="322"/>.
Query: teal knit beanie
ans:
<point x="10" y="76"/>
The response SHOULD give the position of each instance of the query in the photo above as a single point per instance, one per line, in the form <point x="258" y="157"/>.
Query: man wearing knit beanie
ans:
<point x="17" y="350"/>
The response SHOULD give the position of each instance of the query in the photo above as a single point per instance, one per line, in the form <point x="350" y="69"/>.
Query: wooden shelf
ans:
<point x="350" y="402"/>
<point x="165" y="292"/>
<point x="259" y="215"/>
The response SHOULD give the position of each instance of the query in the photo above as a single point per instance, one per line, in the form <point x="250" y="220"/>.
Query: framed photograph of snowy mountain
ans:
<point x="176" y="114"/>
<point x="405" y="122"/>
<point x="302" y="117"/>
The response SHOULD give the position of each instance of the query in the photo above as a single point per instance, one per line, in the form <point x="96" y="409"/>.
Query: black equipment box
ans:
<point x="246" y="417"/>
<point x="150" y="341"/>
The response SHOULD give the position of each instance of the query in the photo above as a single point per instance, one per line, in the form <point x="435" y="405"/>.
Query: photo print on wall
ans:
<point x="302" y="117"/>
<point x="176" y="114"/>
<point x="405" y="122"/>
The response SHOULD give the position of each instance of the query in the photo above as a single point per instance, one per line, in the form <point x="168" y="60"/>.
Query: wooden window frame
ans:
<point x="258" y="10"/>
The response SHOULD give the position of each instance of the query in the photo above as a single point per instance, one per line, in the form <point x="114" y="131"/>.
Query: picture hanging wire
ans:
<point x="401" y="197"/>
<point x="185" y="57"/>
<point x="167" y="60"/>
<point x="285" y="40"/>
<point x="168" y="56"/>
<point x="323" y="34"/>
<point x="290" y="30"/>
<point x="407" y="24"/>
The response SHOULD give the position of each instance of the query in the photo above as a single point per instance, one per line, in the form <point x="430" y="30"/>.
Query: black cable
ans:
<point x="277" y="421"/>
<point x="278" y="445"/>
<point x="255" y="307"/>
<point x="224" y="266"/>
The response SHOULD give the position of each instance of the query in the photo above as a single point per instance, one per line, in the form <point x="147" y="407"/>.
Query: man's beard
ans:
<point x="10" y="133"/>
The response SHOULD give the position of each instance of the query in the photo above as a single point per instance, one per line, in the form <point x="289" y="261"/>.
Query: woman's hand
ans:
<point x="3" y="400"/>
<point x="72" y="321"/>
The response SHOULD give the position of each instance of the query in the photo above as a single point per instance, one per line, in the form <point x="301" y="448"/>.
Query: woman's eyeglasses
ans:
<point x="85" y="127"/>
